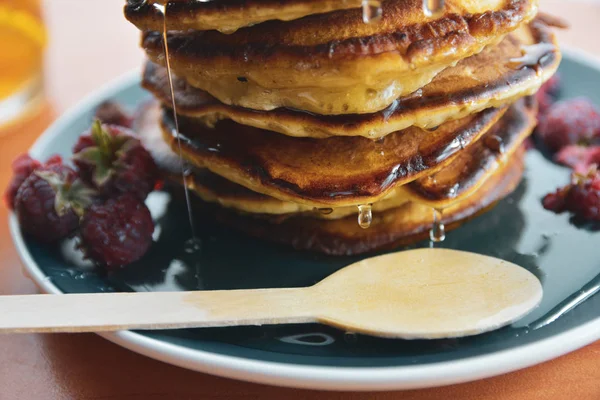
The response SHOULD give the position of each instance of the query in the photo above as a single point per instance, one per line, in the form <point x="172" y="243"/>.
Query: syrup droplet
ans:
<point x="432" y="179"/>
<point x="453" y="191"/>
<point x="192" y="246"/>
<point x="433" y="8"/>
<point x="365" y="216"/>
<point x="371" y="11"/>
<point x="325" y="211"/>
<point x="494" y="143"/>
<point x="532" y="57"/>
<point x="437" y="233"/>
<point x="190" y="182"/>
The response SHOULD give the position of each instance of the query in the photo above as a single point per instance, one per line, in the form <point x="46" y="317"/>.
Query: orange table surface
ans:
<point x="90" y="44"/>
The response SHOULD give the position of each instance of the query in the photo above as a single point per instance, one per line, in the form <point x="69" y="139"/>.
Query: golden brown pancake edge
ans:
<point x="446" y="186"/>
<point x="389" y="229"/>
<point x="334" y="63"/>
<point x="332" y="172"/>
<point x="226" y="16"/>
<point x="435" y="103"/>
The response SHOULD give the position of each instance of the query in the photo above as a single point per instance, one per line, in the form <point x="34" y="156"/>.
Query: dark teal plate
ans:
<point x="565" y="257"/>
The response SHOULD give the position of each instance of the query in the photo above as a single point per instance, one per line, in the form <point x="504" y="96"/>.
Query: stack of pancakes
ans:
<point x="296" y="114"/>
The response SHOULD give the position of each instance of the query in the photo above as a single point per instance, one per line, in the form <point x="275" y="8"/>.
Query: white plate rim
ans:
<point x="304" y="376"/>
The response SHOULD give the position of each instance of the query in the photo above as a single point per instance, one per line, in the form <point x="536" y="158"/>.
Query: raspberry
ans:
<point x="83" y="143"/>
<point x="112" y="113"/>
<point x="556" y="201"/>
<point x="584" y="197"/>
<point x="574" y="121"/>
<point x="552" y="86"/>
<point x="48" y="201"/>
<point x="55" y="159"/>
<point x="114" y="161"/>
<point x="581" y="197"/>
<point x="22" y="167"/>
<point x="569" y="122"/>
<point x="579" y="158"/>
<point x="528" y="143"/>
<point x="118" y="232"/>
<point x="544" y="101"/>
<point x="546" y="96"/>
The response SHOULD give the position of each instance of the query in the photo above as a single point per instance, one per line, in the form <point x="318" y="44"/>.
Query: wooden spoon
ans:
<point x="417" y="294"/>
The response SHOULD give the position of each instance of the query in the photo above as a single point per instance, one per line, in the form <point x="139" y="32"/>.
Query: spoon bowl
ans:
<point x="427" y="294"/>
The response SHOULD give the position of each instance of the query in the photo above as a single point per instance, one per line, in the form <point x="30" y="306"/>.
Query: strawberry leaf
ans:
<point x="103" y="169"/>
<point x="80" y="197"/>
<point x="69" y="195"/>
<point x="57" y="184"/>
<point x="102" y="138"/>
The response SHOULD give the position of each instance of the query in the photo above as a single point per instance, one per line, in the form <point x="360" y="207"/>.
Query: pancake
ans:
<point x="226" y="16"/>
<point x="334" y="63"/>
<point x="398" y="226"/>
<point x="458" y="180"/>
<point x="471" y="168"/>
<point x="332" y="172"/>
<point x="478" y="82"/>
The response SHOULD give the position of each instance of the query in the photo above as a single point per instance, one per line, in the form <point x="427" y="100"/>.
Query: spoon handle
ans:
<point x="153" y="310"/>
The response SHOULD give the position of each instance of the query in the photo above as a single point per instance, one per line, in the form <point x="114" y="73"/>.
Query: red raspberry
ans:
<point x="545" y="101"/>
<point x="114" y="161"/>
<point x="546" y="96"/>
<point x="552" y="85"/>
<point x="55" y="159"/>
<point x="112" y="113"/>
<point x="581" y="197"/>
<point x="22" y="167"/>
<point x="569" y="122"/>
<point x="556" y="201"/>
<point x="528" y="143"/>
<point x="584" y="197"/>
<point x="118" y="232"/>
<point x="579" y="158"/>
<point x="83" y="143"/>
<point x="48" y="201"/>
